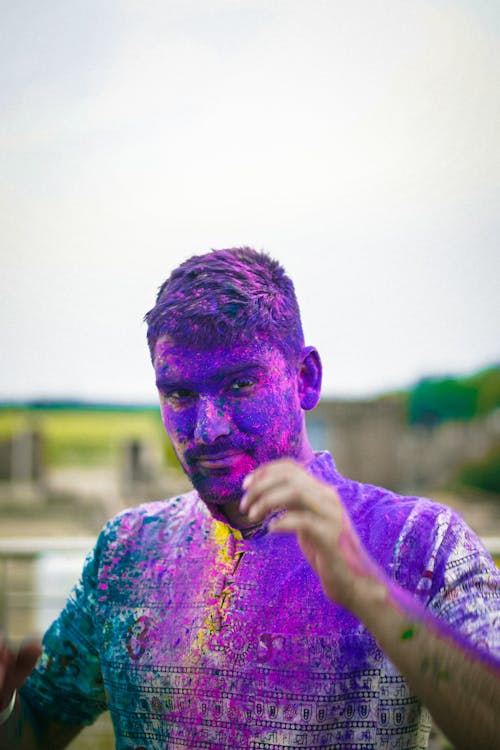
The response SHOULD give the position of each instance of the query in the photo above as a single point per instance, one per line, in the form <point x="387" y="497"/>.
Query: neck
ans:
<point x="240" y="520"/>
<point x="235" y="518"/>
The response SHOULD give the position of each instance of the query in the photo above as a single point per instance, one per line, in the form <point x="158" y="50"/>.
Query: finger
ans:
<point x="7" y="656"/>
<point x="287" y="495"/>
<point x="263" y="479"/>
<point x="19" y="665"/>
<point x="27" y="657"/>
<point x="274" y="475"/>
<point x="271" y="500"/>
<point x="301" y="523"/>
<point x="6" y="659"/>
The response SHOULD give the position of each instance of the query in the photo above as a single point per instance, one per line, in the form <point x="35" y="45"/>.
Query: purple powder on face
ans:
<point x="228" y="411"/>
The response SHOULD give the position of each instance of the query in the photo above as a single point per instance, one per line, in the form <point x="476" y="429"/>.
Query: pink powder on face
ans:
<point x="228" y="411"/>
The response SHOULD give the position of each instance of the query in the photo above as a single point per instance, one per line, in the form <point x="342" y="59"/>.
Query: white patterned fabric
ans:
<point x="195" y="637"/>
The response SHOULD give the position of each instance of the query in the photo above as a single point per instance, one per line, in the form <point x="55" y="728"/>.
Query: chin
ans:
<point x="215" y="494"/>
<point x="220" y="488"/>
<point x="218" y="500"/>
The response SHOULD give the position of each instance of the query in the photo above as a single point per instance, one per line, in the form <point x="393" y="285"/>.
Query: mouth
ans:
<point x="219" y="460"/>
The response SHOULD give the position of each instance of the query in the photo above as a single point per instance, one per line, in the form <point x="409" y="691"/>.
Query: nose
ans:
<point x="211" y="421"/>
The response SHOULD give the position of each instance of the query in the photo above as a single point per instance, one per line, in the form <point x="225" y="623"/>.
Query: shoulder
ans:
<point x="145" y="524"/>
<point x="377" y="510"/>
<point x="379" y="514"/>
<point x="377" y="507"/>
<point x="408" y="531"/>
<point x="426" y="546"/>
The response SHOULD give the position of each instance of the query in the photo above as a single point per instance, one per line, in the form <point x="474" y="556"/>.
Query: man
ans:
<point x="278" y="604"/>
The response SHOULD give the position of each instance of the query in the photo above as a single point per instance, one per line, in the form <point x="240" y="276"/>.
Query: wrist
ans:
<point x="6" y="712"/>
<point x="368" y="596"/>
<point x="390" y="613"/>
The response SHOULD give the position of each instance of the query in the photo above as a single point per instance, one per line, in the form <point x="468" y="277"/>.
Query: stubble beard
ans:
<point x="228" y="489"/>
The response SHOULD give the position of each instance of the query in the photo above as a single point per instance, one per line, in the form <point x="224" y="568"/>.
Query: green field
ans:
<point x="86" y="436"/>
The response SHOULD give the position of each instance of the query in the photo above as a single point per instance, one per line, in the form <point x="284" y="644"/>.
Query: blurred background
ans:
<point x="357" y="142"/>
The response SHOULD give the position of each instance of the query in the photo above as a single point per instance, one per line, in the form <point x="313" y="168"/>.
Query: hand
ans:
<point x="15" y="666"/>
<point x="324" y="531"/>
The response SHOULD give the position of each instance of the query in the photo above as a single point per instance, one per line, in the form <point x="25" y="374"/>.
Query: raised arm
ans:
<point x="460" y="687"/>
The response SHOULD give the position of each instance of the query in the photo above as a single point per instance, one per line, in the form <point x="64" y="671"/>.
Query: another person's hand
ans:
<point x="15" y="666"/>
<point x="324" y="530"/>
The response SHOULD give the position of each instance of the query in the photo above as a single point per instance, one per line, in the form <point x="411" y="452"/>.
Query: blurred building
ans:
<point x="372" y="442"/>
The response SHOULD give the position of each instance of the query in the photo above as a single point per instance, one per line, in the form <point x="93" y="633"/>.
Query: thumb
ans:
<point x="18" y="665"/>
<point x="27" y="656"/>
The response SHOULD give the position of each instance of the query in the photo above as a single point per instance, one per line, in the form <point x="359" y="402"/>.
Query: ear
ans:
<point x="309" y="378"/>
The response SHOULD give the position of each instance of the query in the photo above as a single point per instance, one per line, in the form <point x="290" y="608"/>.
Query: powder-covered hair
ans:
<point x="228" y="296"/>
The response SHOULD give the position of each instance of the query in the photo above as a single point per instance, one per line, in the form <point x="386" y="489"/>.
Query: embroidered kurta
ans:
<point x="196" y="638"/>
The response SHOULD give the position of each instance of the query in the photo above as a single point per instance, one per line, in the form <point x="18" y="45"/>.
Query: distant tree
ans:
<point x="487" y="384"/>
<point x="436" y="400"/>
<point x="483" y="474"/>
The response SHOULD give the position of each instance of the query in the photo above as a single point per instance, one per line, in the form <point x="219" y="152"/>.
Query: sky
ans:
<point x="358" y="142"/>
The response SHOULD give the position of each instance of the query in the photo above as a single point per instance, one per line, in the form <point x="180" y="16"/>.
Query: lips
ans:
<point x="219" y="460"/>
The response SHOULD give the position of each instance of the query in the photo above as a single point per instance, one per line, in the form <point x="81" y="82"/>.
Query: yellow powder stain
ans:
<point x="223" y="566"/>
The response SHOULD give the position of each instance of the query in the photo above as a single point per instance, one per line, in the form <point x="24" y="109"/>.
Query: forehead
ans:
<point x="176" y="360"/>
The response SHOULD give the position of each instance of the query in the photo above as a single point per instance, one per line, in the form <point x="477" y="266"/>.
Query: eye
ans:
<point x="179" y="395"/>
<point x="242" y="385"/>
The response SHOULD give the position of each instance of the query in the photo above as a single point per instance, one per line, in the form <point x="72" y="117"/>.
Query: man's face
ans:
<point x="226" y="411"/>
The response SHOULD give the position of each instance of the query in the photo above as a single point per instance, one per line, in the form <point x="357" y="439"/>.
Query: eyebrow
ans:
<point x="240" y="369"/>
<point x="236" y="369"/>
